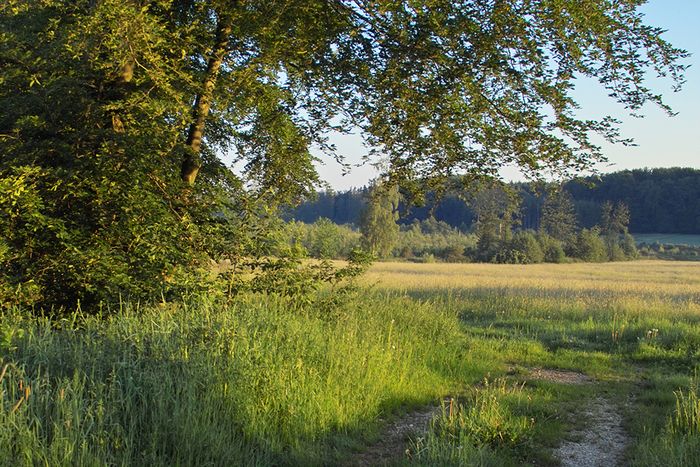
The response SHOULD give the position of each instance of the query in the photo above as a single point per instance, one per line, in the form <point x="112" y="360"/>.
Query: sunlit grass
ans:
<point x="207" y="383"/>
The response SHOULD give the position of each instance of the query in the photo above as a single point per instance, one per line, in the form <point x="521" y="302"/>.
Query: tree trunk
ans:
<point x="191" y="162"/>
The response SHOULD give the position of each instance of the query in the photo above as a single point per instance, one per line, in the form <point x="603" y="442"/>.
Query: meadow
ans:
<point x="262" y="380"/>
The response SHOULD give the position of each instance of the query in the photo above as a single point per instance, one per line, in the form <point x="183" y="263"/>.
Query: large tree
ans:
<point x="117" y="114"/>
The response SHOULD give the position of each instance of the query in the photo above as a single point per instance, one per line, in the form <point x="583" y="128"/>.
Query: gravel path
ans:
<point x="601" y="443"/>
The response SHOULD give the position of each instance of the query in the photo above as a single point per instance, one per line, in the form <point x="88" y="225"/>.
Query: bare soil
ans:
<point x="560" y="376"/>
<point x="602" y="441"/>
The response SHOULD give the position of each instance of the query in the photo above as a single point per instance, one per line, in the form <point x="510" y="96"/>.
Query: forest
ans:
<point x="662" y="200"/>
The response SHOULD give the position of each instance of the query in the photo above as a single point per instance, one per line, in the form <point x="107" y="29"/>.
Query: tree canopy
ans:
<point x="118" y="115"/>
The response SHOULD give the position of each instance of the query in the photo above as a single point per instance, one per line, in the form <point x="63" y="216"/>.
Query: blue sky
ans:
<point x="662" y="141"/>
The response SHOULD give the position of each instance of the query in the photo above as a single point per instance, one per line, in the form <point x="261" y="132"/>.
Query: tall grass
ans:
<point x="203" y="383"/>
<point x="480" y="430"/>
<point x="686" y="418"/>
<point x="679" y="444"/>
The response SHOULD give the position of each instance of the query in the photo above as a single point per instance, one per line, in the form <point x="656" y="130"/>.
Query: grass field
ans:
<point x="262" y="381"/>
<point x="633" y="328"/>
<point x="669" y="239"/>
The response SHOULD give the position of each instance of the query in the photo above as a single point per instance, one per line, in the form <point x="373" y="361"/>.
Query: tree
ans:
<point x="559" y="216"/>
<point x="614" y="224"/>
<point x="117" y="114"/>
<point x="523" y="249"/>
<point x="590" y="247"/>
<point x="614" y="220"/>
<point x="327" y="240"/>
<point x="495" y="208"/>
<point x="378" y="222"/>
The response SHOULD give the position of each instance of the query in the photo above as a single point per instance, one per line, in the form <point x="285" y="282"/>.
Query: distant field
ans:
<point x="669" y="239"/>
<point x="657" y="280"/>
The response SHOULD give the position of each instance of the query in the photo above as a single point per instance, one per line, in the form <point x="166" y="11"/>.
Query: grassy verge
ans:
<point x="207" y="383"/>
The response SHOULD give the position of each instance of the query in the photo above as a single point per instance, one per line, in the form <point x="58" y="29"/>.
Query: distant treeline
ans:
<point x="659" y="201"/>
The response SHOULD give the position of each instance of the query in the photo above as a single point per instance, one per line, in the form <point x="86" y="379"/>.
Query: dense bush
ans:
<point x="629" y="246"/>
<point x="524" y="248"/>
<point x="552" y="248"/>
<point x="680" y="252"/>
<point x="431" y="240"/>
<point x="590" y="247"/>
<point x="432" y="237"/>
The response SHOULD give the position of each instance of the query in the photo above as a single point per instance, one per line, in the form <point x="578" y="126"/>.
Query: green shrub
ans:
<point x="523" y="248"/>
<point x="552" y="248"/>
<point x="323" y="239"/>
<point x="590" y="247"/>
<point x="452" y="254"/>
<point x="629" y="246"/>
<point x="433" y="237"/>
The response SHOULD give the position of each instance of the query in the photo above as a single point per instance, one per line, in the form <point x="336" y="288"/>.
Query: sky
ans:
<point x="661" y="141"/>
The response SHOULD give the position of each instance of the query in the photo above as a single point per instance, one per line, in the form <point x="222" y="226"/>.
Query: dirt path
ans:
<point x="601" y="443"/>
<point x="602" y="440"/>
<point x="396" y="438"/>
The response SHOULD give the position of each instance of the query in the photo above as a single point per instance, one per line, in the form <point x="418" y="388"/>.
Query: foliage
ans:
<point x="552" y="248"/>
<point x="91" y="146"/>
<point x="629" y="246"/>
<point x="672" y="251"/>
<point x="523" y="248"/>
<point x="614" y="219"/>
<point x="324" y="239"/>
<point x="659" y="200"/>
<point x="495" y="209"/>
<point x="432" y="237"/>
<point x="590" y="247"/>
<point x="559" y="216"/>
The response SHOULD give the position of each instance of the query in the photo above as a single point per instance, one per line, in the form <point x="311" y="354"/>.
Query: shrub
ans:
<point x="629" y="246"/>
<point x="323" y="239"/>
<point x="590" y="247"/>
<point x="490" y="249"/>
<point x="552" y="248"/>
<point x="433" y="237"/>
<point x="524" y="249"/>
<point x="452" y="254"/>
